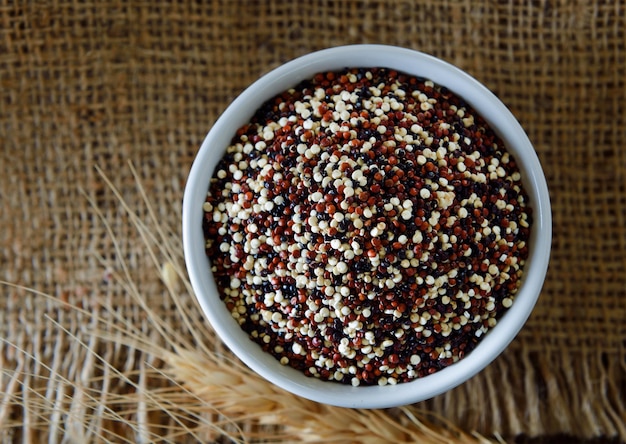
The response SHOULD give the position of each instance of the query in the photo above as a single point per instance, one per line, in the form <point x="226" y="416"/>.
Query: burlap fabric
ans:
<point x="86" y="84"/>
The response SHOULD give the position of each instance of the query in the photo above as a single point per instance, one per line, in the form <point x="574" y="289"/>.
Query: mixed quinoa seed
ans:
<point x="367" y="227"/>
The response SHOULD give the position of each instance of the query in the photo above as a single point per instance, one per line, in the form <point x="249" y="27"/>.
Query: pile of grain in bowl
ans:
<point x="367" y="227"/>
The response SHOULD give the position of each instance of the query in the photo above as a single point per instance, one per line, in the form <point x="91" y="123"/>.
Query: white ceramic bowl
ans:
<point x="410" y="62"/>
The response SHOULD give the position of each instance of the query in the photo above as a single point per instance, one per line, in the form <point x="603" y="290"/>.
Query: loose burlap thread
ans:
<point x="98" y="84"/>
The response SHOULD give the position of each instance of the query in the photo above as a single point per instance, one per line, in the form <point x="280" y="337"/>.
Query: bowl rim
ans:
<point x="411" y="62"/>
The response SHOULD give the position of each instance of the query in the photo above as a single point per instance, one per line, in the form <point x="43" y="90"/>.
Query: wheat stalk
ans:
<point x="203" y="392"/>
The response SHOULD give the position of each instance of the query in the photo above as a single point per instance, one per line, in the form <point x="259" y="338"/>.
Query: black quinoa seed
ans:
<point x="367" y="227"/>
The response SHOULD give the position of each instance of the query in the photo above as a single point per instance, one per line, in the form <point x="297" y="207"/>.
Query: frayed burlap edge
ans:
<point x="179" y="384"/>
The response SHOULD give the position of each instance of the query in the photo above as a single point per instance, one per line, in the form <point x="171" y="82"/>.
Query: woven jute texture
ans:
<point x="126" y="91"/>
